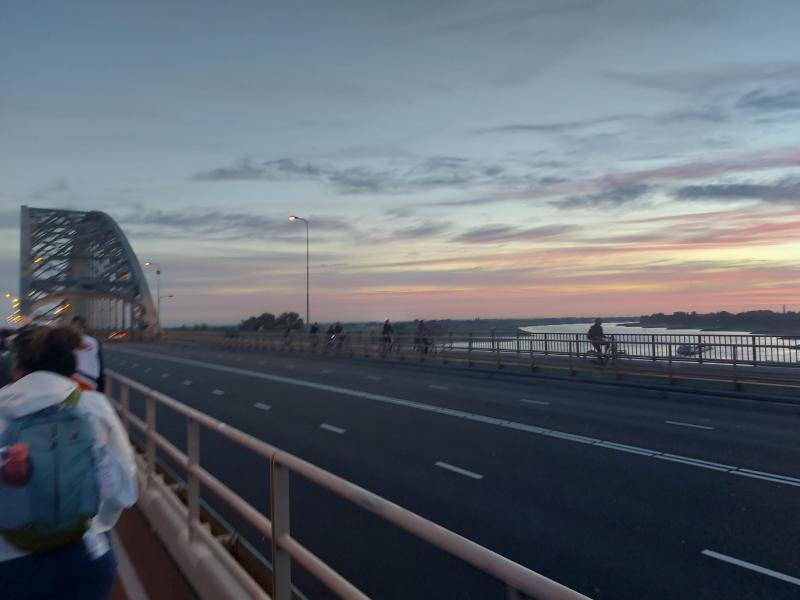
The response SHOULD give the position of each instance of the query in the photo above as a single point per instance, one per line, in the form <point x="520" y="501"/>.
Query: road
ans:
<point x="617" y="493"/>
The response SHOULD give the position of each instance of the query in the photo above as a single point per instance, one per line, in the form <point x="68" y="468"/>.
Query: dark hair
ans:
<point x="47" y="349"/>
<point x="79" y="320"/>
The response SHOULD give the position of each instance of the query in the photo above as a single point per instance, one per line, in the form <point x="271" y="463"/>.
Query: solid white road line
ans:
<point x="430" y="408"/>
<point x="439" y="387"/>
<point x="331" y="428"/>
<point x="689" y="425"/>
<point x="128" y="577"/>
<point x="187" y="382"/>
<point x="218" y="392"/>
<point x="539" y="402"/>
<point x="374" y="377"/>
<point x="458" y="470"/>
<point x="262" y="406"/>
<point x="752" y="567"/>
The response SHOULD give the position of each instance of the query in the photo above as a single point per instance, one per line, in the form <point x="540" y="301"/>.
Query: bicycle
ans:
<point x="609" y="351"/>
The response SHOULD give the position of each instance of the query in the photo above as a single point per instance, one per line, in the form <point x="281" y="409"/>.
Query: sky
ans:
<point x="454" y="159"/>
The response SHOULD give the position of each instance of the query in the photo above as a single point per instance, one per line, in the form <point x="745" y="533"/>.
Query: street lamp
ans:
<point x="308" y="304"/>
<point x="158" y="286"/>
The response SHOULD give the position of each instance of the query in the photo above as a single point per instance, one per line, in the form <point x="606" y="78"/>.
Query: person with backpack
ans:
<point x="66" y="473"/>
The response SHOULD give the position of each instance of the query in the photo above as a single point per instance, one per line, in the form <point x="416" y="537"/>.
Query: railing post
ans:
<point x="546" y="349"/>
<point x="192" y="483"/>
<point x="735" y="370"/>
<point x="669" y="349"/>
<point x="469" y="350"/>
<point x="281" y="560"/>
<point x="493" y="341"/>
<point x="700" y="349"/>
<point x="755" y="353"/>
<point x="450" y="338"/>
<point x="124" y="400"/>
<point x="150" y="445"/>
<point x="517" y="343"/>
<point x="653" y="344"/>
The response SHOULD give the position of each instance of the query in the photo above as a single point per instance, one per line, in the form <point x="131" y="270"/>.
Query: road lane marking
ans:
<point x="187" y="382"/>
<point x="526" y="427"/>
<point x="374" y="377"/>
<point x="218" y="392"/>
<point x="147" y="370"/>
<point x="752" y="567"/>
<point x="439" y="387"/>
<point x="458" y="470"/>
<point x="689" y="425"/>
<point x="262" y="406"/>
<point x="332" y="428"/>
<point x="291" y="366"/>
<point x="326" y="371"/>
<point x="540" y="402"/>
<point x="164" y="375"/>
<point x="135" y="365"/>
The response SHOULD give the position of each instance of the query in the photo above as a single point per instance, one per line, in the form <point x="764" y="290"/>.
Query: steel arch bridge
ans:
<point x="75" y="262"/>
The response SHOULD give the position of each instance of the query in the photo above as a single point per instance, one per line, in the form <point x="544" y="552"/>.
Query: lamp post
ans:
<point x="308" y="304"/>
<point x="158" y="287"/>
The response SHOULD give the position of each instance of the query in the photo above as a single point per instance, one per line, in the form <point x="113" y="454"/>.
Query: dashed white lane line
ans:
<point x="326" y="371"/>
<point x="218" y="392"/>
<point x="135" y="365"/>
<point x="261" y="406"/>
<point x="332" y="428"/>
<point x="374" y="377"/>
<point x="458" y="470"/>
<point x="147" y="370"/>
<point x="430" y="408"/>
<point x="164" y="375"/>
<point x="679" y="423"/>
<point x="746" y="565"/>
<point x="444" y="388"/>
<point x="187" y="382"/>
<point x="539" y="402"/>
<point x="291" y="366"/>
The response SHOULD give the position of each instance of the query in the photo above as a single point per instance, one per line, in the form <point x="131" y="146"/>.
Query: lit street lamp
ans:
<point x="158" y="286"/>
<point x="308" y="304"/>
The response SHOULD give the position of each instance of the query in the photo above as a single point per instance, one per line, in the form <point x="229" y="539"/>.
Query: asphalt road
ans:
<point x="617" y="493"/>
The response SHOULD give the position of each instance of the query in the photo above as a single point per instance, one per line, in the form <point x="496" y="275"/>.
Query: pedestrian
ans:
<point x="88" y="359"/>
<point x="54" y="542"/>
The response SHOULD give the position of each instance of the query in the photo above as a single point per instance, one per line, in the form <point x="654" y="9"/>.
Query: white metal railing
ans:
<point x="520" y="582"/>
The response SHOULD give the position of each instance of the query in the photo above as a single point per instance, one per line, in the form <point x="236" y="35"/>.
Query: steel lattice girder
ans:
<point x="68" y="255"/>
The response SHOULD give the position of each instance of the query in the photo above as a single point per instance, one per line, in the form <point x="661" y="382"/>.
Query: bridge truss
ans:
<point x="75" y="262"/>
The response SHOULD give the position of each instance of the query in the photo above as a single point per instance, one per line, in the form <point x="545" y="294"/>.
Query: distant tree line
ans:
<point x="269" y="322"/>
<point x="752" y="320"/>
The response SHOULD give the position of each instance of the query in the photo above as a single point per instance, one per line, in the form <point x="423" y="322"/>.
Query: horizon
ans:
<point x="586" y="157"/>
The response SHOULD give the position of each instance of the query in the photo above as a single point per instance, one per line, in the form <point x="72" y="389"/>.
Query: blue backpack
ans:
<point x="54" y="508"/>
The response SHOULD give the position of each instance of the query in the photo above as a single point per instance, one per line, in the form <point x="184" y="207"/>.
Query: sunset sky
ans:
<point x="454" y="159"/>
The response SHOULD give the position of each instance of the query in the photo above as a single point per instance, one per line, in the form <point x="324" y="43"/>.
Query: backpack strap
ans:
<point x="74" y="397"/>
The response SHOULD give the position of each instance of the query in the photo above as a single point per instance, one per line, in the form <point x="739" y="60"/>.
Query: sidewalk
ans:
<point x="145" y="570"/>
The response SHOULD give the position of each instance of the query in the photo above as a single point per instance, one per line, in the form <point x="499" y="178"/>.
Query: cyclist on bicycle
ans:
<point x="598" y="339"/>
<point x="386" y="333"/>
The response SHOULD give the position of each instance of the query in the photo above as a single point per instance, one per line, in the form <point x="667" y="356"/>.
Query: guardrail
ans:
<point x="736" y="350"/>
<point x="520" y="582"/>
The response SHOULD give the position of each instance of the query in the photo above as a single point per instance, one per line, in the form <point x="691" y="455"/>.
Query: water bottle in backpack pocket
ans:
<point x="54" y="508"/>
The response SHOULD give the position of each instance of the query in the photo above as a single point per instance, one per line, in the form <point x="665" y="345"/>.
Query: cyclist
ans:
<point x="386" y="333"/>
<point x="598" y="340"/>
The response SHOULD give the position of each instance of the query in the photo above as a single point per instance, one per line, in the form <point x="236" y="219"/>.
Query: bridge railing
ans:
<point x="520" y="582"/>
<point x="737" y="350"/>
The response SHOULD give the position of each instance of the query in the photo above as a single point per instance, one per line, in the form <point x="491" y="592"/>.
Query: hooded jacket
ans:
<point x="42" y="389"/>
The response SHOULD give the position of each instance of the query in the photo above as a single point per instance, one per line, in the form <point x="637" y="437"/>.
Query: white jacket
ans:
<point x="41" y="389"/>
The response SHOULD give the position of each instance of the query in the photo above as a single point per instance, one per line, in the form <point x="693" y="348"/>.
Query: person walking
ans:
<point x="53" y="540"/>
<point x="88" y="359"/>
